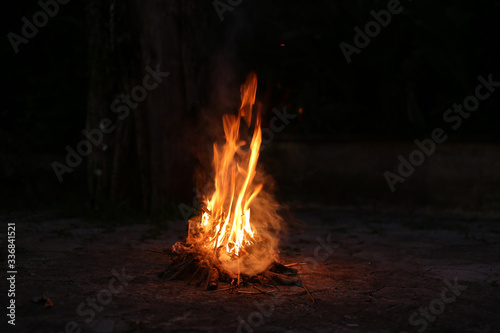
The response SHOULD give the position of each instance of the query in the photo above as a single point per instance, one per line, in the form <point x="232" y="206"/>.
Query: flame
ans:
<point x="228" y="216"/>
<point x="238" y="229"/>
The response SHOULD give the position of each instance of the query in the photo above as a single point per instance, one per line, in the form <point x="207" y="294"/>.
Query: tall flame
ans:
<point x="228" y="216"/>
<point x="238" y="229"/>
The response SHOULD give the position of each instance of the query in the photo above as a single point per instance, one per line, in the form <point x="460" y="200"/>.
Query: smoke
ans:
<point x="267" y="225"/>
<point x="225" y="74"/>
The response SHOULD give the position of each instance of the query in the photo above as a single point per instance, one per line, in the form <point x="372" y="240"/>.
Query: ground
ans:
<point x="368" y="271"/>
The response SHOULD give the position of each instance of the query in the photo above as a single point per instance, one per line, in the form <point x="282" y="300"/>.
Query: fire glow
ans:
<point x="235" y="238"/>
<point x="237" y="232"/>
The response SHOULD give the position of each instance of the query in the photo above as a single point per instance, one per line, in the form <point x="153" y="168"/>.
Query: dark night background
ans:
<point x="371" y="258"/>
<point x="355" y="118"/>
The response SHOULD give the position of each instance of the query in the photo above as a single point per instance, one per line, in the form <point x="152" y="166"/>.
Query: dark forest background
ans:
<point x="65" y="78"/>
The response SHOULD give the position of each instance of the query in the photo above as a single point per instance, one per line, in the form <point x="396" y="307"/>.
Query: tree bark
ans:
<point x="144" y="161"/>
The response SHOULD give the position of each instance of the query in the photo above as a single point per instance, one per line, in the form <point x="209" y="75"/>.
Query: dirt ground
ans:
<point x="367" y="272"/>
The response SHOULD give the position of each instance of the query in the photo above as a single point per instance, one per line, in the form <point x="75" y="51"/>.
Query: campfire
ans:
<point x="235" y="237"/>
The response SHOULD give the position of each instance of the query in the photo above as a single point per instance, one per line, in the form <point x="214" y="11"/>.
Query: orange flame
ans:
<point x="227" y="222"/>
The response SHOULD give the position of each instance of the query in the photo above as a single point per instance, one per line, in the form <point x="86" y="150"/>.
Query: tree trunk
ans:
<point x="144" y="161"/>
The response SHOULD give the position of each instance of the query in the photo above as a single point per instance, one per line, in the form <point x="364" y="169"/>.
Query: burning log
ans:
<point x="187" y="265"/>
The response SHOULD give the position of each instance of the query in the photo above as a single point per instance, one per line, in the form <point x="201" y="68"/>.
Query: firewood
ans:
<point x="214" y="279"/>
<point x="195" y="272"/>
<point x="207" y="270"/>
<point x="282" y="279"/>
<point x="180" y="270"/>
<point x="279" y="268"/>
<point x="295" y="264"/>
<point x="170" y="269"/>
<point x="202" y="277"/>
<point x="263" y="291"/>
<point x="307" y="291"/>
